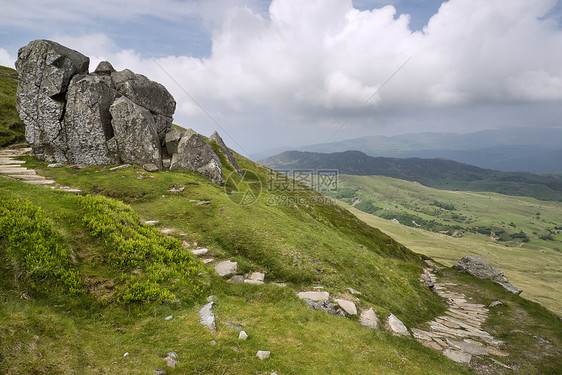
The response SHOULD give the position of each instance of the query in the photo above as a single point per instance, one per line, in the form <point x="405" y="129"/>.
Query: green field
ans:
<point x="519" y="235"/>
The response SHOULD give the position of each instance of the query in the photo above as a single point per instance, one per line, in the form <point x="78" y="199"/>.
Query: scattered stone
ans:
<point x="369" y="319"/>
<point x="257" y="276"/>
<point x="177" y="190"/>
<point x="169" y="317"/>
<point x="263" y="354"/>
<point x="513" y="331"/>
<point x="122" y="166"/>
<point x="208" y="260"/>
<point x="347" y="306"/>
<point x="226" y="267"/>
<point x="329" y="307"/>
<point x="457" y="356"/>
<point x="243" y="335"/>
<point x="151" y="222"/>
<point x="317" y="287"/>
<point x="213" y="343"/>
<point x="160" y="372"/>
<point x="237" y="279"/>
<point x="395" y="326"/>
<point x="170" y="362"/>
<point x="483" y="270"/>
<point x="55" y="165"/>
<point x="495" y="303"/>
<point x="211" y="298"/>
<point x="255" y="282"/>
<point x="281" y="285"/>
<point x="200" y="251"/>
<point x="207" y="318"/>
<point x="353" y="291"/>
<point x="173" y="355"/>
<point x="126" y="354"/>
<point x="314" y="295"/>
<point x="150" y="167"/>
<point x="203" y="203"/>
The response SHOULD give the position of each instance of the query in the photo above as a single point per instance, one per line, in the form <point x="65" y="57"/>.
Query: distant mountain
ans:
<point x="437" y="173"/>
<point x="510" y="150"/>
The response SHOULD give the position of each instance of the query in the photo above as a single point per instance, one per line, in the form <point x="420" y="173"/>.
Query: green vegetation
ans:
<point x="501" y="229"/>
<point x="11" y="127"/>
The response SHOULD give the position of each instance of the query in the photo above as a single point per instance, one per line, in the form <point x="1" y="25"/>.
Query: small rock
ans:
<point x="207" y="318"/>
<point x="122" y="166"/>
<point x="185" y="244"/>
<point x="208" y="260"/>
<point x="169" y="317"/>
<point x="54" y="165"/>
<point x="329" y="307"/>
<point x="255" y="282"/>
<point x="150" y="167"/>
<point x="369" y="319"/>
<point x="243" y="335"/>
<point x="353" y="291"/>
<point x="166" y="163"/>
<point x="199" y="252"/>
<point x="170" y="362"/>
<point x="226" y="268"/>
<point x="258" y="276"/>
<point x="203" y="203"/>
<point x="394" y="325"/>
<point x="237" y="279"/>
<point x="177" y="190"/>
<point x="126" y="354"/>
<point x="173" y="355"/>
<point x="457" y="356"/>
<point x="160" y="372"/>
<point x="211" y="298"/>
<point x="347" y="306"/>
<point x="213" y="343"/>
<point x="151" y="222"/>
<point x="263" y="354"/>
<point x="495" y="303"/>
<point x="314" y="296"/>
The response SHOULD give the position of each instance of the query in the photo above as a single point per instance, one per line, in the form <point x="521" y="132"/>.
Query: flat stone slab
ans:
<point x="207" y="318"/>
<point x="11" y="170"/>
<point x="226" y="267"/>
<point x="26" y="177"/>
<point x="314" y="295"/>
<point x="199" y="252"/>
<point x="41" y="182"/>
<point x="457" y="356"/>
<point x="257" y="276"/>
<point x="369" y="319"/>
<point x="4" y="161"/>
<point x="394" y="325"/>
<point x="347" y="306"/>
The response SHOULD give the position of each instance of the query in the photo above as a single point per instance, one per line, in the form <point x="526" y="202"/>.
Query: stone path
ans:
<point x="458" y="334"/>
<point x="12" y="168"/>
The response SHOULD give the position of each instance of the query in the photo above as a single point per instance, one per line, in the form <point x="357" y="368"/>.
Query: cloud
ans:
<point x="6" y="59"/>
<point x="311" y="64"/>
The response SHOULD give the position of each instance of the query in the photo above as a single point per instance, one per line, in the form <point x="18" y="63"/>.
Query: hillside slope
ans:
<point x="11" y="127"/>
<point x="437" y="173"/>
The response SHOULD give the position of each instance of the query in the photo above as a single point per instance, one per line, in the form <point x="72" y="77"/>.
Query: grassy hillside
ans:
<point x="11" y="127"/>
<point x="438" y="173"/>
<point x="522" y="236"/>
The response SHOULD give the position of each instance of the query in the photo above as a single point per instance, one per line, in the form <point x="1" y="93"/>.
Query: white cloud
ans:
<point x="6" y="59"/>
<point x="316" y="62"/>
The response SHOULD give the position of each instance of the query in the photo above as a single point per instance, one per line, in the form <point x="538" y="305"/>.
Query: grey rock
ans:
<point x="172" y="139"/>
<point x="55" y="165"/>
<point x="257" y="276"/>
<point x="495" y="303"/>
<point x="237" y="279"/>
<point x="211" y="298"/>
<point x="353" y="291"/>
<point x="166" y="163"/>
<point x="483" y="270"/>
<point x="263" y="354"/>
<point x="150" y="167"/>
<point x="369" y="319"/>
<point x="215" y="137"/>
<point x="135" y="133"/>
<point x="197" y="156"/>
<point x="243" y="335"/>
<point x="173" y="355"/>
<point x="396" y="327"/>
<point x="200" y="251"/>
<point x="457" y="356"/>
<point x="104" y="68"/>
<point x="144" y="92"/>
<point x="314" y="295"/>
<point x="122" y="166"/>
<point x="87" y="121"/>
<point x="207" y="318"/>
<point x="226" y="267"/>
<point x="169" y="317"/>
<point x="347" y="306"/>
<point x="45" y="69"/>
<point x="255" y="282"/>
<point x="160" y="372"/>
<point x="170" y="362"/>
<point x="203" y="203"/>
<point x="329" y="307"/>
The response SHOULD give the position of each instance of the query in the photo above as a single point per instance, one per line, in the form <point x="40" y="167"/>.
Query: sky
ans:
<point x="284" y="73"/>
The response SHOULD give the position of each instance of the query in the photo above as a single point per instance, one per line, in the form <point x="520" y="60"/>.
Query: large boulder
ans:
<point x="215" y="137"/>
<point x="197" y="156"/>
<point x="483" y="270"/>
<point x="45" y="69"/>
<point x="87" y="120"/>
<point x="135" y="133"/>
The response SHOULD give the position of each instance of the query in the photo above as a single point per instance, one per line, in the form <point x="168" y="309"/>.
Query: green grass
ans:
<point x="534" y="266"/>
<point x="11" y="127"/>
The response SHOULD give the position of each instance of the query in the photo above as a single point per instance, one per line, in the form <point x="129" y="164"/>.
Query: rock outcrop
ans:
<point x="104" y="117"/>
<point x="483" y="270"/>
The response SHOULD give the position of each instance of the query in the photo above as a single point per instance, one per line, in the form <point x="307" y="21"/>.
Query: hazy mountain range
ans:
<point x="510" y="150"/>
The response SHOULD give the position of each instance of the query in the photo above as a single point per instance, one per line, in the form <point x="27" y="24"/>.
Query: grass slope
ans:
<point x="532" y="263"/>
<point x="11" y="127"/>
